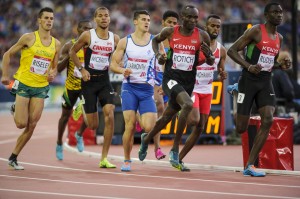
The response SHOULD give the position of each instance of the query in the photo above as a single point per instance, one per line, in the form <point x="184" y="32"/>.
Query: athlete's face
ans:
<point x="170" y="22"/>
<point x="213" y="27"/>
<point x="102" y="18"/>
<point x="142" y="22"/>
<point x="46" y="21"/>
<point x="84" y="26"/>
<point x="274" y="15"/>
<point x="190" y="18"/>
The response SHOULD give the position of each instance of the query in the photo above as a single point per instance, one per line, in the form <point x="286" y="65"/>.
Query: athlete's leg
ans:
<point x="186" y="104"/>
<point x="159" y="101"/>
<point x="193" y="137"/>
<point x="35" y="109"/>
<point x="130" y="120"/>
<point x="108" y="113"/>
<point x="62" y="123"/>
<point x="266" y="114"/>
<point x="161" y="123"/>
<point x="21" y="111"/>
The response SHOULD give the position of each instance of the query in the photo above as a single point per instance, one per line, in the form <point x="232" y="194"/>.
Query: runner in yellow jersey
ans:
<point x="39" y="58"/>
<point x="72" y="89"/>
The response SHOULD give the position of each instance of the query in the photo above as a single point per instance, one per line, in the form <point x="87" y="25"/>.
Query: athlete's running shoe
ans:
<point x="14" y="164"/>
<point x="251" y="171"/>
<point x="183" y="168"/>
<point x="174" y="159"/>
<point x="143" y="148"/>
<point x="159" y="154"/>
<point x="138" y="127"/>
<point x="231" y="88"/>
<point x="126" y="166"/>
<point x="105" y="164"/>
<point x="77" y="112"/>
<point x="59" y="152"/>
<point x="80" y="143"/>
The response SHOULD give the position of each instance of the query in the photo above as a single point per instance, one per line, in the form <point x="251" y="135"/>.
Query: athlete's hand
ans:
<point x="223" y="74"/>
<point x="52" y="74"/>
<point x="162" y="58"/>
<point x="255" y="69"/>
<point x="160" y="90"/>
<point x="285" y="63"/>
<point x="206" y="49"/>
<point x="5" y="80"/>
<point x="127" y="72"/>
<point x="85" y="75"/>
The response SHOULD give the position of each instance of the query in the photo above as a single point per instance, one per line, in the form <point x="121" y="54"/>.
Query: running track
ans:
<point x="78" y="176"/>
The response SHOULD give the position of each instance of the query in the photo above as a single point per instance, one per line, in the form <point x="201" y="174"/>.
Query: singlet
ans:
<point x="182" y="57"/>
<point x="35" y="62"/>
<point x="97" y="54"/>
<point x="140" y="59"/>
<point x="73" y="81"/>
<point x="205" y="73"/>
<point x="264" y="52"/>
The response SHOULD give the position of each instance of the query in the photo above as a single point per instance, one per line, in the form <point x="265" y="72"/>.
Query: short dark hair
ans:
<point x="137" y="13"/>
<point x="100" y="8"/>
<point x="81" y="22"/>
<point x="45" y="9"/>
<point x="268" y="6"/>
<point x="213" y="16"/>
<point x="170" y="13"/>
<point x="183" y="10"/>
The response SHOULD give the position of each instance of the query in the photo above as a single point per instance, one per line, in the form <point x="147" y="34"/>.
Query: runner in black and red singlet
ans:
<point x="179" y="75"/>
<point x="262" y="43"/>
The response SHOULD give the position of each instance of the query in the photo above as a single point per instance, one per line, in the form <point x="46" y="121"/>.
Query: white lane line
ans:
<point x="159" y="177"/>
<point x="32" y="138"/>
<point x="191" y="166"/>
<point x="153" y="188"/>
<point x="59" y="194"/>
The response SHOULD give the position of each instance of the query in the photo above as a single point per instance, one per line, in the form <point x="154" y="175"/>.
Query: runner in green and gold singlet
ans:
<point x="38" y="63"/>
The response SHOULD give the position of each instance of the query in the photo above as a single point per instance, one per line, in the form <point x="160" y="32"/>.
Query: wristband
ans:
<point x="80" y="68"/>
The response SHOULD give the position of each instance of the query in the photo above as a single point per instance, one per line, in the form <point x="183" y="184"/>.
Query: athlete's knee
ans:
<point x="129" y="127"/>
<point x="187" y="106"/>
<point x="193" y="121"/>
<point x="20" y="124"/>
<point x="267" y="121"/>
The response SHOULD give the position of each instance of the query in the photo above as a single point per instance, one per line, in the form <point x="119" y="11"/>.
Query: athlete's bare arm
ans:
<point x="64" y="57"/>
<point x="83" y="40"/>
<point x="166" y="33"/>
<point x="205" y="47"/>
<point x="53" y="69"/>
<point x="286" y="62"/>
<point x="25" y="41"/>
<point x="221" y="68"/>
<point x="115" y="65"/>
<point x="252" y="35"/>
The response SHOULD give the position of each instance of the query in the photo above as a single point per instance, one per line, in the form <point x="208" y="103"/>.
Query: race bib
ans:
<point x="266" y="61"/>
<point x="240" y="98"/>
<point x="15" y="85"/>
<point x="183" y="62"/>
<point x="40" y="65"/>
<point x="99" y="61"/>
<point x="171" y="83"/>
<point x="138" y="67"/>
